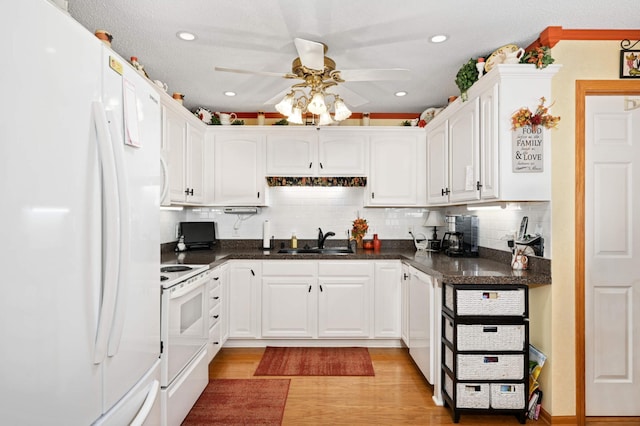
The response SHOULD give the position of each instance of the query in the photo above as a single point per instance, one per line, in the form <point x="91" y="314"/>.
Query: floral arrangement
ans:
<point x="540" y="56"/>
<point x="360" y="227"/>
<point x="524" y="117"/>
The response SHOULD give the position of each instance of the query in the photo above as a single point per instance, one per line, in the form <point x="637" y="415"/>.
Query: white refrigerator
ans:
<point x="79" y="189"/>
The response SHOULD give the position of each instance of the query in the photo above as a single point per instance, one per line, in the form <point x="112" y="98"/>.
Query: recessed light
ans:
<point x="229" y="93"/>
<point x="401" y="93"/>
<point x="186" y="36"/>
<point x="438" y="38"/>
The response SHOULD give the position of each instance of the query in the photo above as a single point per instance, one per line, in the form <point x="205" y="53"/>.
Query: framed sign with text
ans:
<point x="527" y="149"/>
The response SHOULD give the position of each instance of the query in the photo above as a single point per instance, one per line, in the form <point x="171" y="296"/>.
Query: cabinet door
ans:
<point x="464" y="149"/>
<point x="195" y="164"/>
<point x="289" y="307"/>
<point x="342" y="153"/>
<point x="174" y="135"/>
<point x="489" y="137"/>
<point x="406" y="279"/>
<point x="239" y="169"/>
<point x="438" y="164"/>
<point x="420" y="323"/>
<point x="292" y="153"/>
<point x="244" y="300"/>
<point x="393" y="170"/>
<point x="387" y="300"/>
<point x="344" y="298"/>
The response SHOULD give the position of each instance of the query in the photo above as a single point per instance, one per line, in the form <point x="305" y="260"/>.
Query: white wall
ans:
<point x="302" y="210"/>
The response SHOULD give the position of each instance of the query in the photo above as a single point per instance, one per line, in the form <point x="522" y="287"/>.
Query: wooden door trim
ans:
<point x="586" y="88"/>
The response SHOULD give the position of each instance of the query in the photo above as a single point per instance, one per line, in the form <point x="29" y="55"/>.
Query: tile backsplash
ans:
<point x="302" y="210"/>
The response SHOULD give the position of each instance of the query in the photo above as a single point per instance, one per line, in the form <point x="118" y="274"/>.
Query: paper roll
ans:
<point x="266" y="239"/>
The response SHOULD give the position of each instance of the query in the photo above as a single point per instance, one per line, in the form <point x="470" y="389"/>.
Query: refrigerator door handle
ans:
<point x="146" y="407"/>
<point x="165" y="179"/>
<point x="121" y="285"/>
<point x="110" y="232"/>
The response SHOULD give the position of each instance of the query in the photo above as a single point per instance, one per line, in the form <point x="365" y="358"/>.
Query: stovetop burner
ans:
<point x="178" y="268"/>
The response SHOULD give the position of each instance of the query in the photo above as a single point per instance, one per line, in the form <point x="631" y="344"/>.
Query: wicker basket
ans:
<point x="498" y="337"/>
<point x="491" y="302"/>
<point x="472" y="395"/>
<point x="508" y="396"/>
<point x="490" y="367"/>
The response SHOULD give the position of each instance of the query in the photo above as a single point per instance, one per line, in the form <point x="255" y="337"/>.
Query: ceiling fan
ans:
<point x="318" y="73"/>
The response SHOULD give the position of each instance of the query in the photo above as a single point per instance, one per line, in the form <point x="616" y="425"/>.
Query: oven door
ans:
<point x="184" y="326"/>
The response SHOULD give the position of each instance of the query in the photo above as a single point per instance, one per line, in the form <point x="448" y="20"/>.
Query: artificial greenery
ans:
<point x="467" y="75"/>
<point x="282" y="122"/>
<point x="540" y="56"/>
<point x="215" y="120"/>
<point x="237" y="123"/>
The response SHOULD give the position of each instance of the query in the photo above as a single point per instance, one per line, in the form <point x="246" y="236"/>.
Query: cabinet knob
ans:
<point x="310" y="164"/>
<point x="309" y="289"/>
<point x="321" y="166"/>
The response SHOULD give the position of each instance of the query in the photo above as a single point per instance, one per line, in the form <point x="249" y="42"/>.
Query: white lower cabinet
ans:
<point x="244" y="299"/>
<point x="218" y="310"/>
<point x="344" y="301"/>
<point x="421" y="344"/>
<point x="404" y="304"/>
<point x="330" y="299"/>
<point x="289" y="299"/>
<point x="387" y="299"/>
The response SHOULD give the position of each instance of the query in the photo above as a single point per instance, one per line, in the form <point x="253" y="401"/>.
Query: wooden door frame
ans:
<point x="586" y="88"/>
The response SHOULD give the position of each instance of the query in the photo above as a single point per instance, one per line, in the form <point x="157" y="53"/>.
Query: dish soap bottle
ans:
<point x="294" y="241"/>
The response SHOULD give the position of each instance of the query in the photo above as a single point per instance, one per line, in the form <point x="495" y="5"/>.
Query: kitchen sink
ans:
<point x="316" y="250"/>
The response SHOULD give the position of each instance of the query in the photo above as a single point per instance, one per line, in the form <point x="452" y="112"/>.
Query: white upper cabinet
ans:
<point x="183" y="144"/>
<point x="238" y="167"/>
<point x="315" y="152"/>
<point x="397" y="167"/>
<point x="479" y="160"/>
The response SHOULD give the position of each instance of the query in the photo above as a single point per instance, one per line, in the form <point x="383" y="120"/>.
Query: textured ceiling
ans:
<point x="258" y="35"/>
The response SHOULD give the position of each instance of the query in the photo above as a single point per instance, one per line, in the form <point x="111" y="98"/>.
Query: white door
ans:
<point x="612" y="247"/>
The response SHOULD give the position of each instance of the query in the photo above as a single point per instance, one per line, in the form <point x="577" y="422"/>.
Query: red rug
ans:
<point x="240" y="402"/>
<point x="278" y="361"/>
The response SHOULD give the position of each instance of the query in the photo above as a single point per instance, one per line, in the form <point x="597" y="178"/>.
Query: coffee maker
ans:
<point x="463" y="240"/>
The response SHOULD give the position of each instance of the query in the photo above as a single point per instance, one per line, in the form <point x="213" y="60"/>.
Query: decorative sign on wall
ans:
<point x="527" y="138"/>
<point x="527" y="149"/>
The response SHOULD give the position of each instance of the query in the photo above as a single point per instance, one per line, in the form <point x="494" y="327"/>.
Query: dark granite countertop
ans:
<point x="457" y="270"/>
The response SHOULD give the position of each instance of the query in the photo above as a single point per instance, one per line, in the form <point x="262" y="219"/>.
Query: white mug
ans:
<point x="162" y="85"/>
<point x="519" y="262"/>
<point x="225" y="118"/>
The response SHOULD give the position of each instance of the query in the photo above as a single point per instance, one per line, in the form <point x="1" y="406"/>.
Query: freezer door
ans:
<point x="50" y="186"/>
<point x="133" y="111"/>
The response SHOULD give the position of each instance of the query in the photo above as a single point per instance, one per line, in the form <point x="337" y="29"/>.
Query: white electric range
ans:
<point x="184" y="334"/>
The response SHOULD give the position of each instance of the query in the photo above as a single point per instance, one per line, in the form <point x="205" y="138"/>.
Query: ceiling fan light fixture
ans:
<point x="317" y="106"/>
<point x="325" y="119"/>
<point x="296" y="116"/>
<point x="341" y="110"/>
<point x="285" y="106"/>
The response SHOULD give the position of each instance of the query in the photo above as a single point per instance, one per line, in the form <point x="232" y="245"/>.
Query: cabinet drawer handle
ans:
<point x="321" y="166"/>
<point x="310" y="164"/>
<point x="216" y="316"/>
<point x="216" y="297"/>
<point x="478" y="185"/>
<point x="445" y="191"/>
<point x="321" y="287"/>
<point x="490" y="329"/>
<point x="216" y="278"/>
<point x="253" y="273"/>
<point x="490" y="359"/>
<point x="309" y="289"/>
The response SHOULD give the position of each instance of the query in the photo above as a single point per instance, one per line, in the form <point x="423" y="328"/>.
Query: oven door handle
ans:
<point x="181" y="291"/>
<point x="111" y="231"/>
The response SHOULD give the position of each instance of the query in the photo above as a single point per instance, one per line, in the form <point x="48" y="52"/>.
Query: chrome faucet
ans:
<point x="322" y="237"/>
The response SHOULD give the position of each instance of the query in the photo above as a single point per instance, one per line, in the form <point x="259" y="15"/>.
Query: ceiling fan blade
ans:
<point x="311" y="53"/>
<point x="375" y="74"/>
<point x="266" y="73"/>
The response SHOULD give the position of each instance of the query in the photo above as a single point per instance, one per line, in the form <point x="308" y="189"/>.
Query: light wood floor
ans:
<point x="397" y="395"/>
